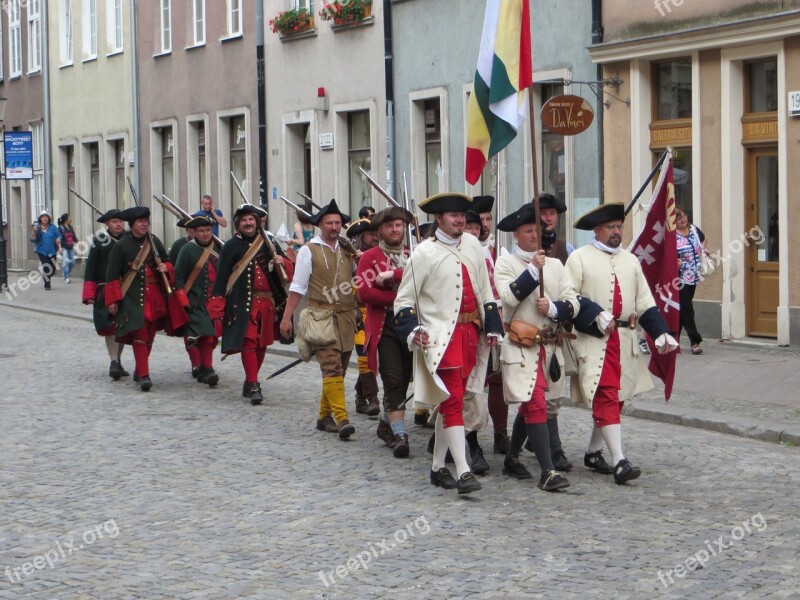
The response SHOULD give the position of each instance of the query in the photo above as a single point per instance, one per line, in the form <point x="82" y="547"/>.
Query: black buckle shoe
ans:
<point x="552" y="481"/>
<point x="145" y="384"/>
<point x="122" y="370"/>
<point x="384" y="432"/>
<point x="212" y="379"/>
<point x="254" y="393"/>
<point x="196" y="371"/>
<point x="114" y="370"/>
<point x="201" y="376"/>
<point x="136" y="377"/>
<point x="597" y="463"/>
<point x="467" y="483"/>
<point x="479" y="464"/>
<point x="560" y="462"/>
<point x="514" y="468"/>
<point x="625" y="471"/>
<point x="443" y="479"/>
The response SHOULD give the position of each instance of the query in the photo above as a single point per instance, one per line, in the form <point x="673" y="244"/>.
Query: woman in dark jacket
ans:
<point x="47" y="244"/>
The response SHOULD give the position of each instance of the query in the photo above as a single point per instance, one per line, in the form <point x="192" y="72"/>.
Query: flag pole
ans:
<point x="647" y="181"/>
<point x="536" y="211"/>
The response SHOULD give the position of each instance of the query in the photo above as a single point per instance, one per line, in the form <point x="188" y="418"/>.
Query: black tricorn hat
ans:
<point x="550" y="201"/>
<point x="249" y="209"/>
<point x="482" y="204"/>
<point x="425" y="229"/>
<point x="133" y="213"/>
<point x="358" y="227"/>
<point x="473" y="217"/>
<point x="196" y="221"/>
<point x="329" y="209"/>
<point x="446" y="202"/>
<point x="391" y="214"/>
<point x="611" y="211"/>
<point x="522" y="216"/>
<point x="108" y="215"/>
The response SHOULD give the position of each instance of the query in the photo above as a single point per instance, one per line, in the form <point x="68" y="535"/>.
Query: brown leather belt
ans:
<point x="267" y="295"/>
<point x="625" y="324"/>
<point x="468" y="317"/>
<point x="336" y="306"/>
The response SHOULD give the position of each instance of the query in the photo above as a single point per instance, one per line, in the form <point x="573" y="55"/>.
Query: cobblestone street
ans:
<point x="189" y="492"/>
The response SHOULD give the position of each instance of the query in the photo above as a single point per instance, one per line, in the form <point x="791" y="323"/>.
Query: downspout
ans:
<point x="262" y="124"/>
<point x="597" y="38"/>
<point x="388" y="66"/>
<point x="48" y="179"/>
<point x="137" y="171"/>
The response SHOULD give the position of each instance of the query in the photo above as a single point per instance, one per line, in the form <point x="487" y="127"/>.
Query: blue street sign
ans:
<point x="18" y="146"/>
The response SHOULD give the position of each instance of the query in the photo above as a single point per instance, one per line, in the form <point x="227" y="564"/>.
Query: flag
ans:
<point x="656" y="247"/>
<point x="497" y="105"/>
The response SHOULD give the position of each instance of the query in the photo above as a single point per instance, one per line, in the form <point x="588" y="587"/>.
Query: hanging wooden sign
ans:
<point x="567" y="115"/>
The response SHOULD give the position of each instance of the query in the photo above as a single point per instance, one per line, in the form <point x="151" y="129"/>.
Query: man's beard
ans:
<point x="484" y="234"/>
<point x="614" y="241"/>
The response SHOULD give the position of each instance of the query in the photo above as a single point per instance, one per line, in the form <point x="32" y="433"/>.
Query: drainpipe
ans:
<point x="262" y="124"/>
<point x="48" y="178"/>
<point x="137" y="169"/>
<point x="597" y="38"/>
<point x="389" y="84"/>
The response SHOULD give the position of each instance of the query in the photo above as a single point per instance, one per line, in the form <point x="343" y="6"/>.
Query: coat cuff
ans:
<point x="405" y="321"/>
<point x="585" y="319"/>
<point x="216" y="307"/>
<point x="564" y="310"/>
<point x="89" y="291"/>
<point x="113" y="292"/>
<point x="397" y="275"/>
<point x="183" y="299"/>
<point x="491" y="319"/>
<point x="653" y="323"/>
<point x="523" y="286"/>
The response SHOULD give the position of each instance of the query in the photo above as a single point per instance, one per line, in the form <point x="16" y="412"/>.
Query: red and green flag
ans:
<point x="498" y="103"/>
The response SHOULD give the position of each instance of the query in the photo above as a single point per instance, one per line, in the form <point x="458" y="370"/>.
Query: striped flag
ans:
<point x="498" y="103"/>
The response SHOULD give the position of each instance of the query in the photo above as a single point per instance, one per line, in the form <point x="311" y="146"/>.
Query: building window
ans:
<point x="201" y="159"/>
<point x="358" y="155"/>
<point x="303" y="4"/>
<point x="15" y="39"/>
<point x="37" y="184"/>
<point x="199" y="20"/>
<point x="69" y="152"/>
<point x="433" y="146"/>
<point x="89" y="29"/>
<point x="168" y="182"/>
<point x="65" y="32"/>
<point x="238" y="146"/>
<point x="34" y="36"/>
<point x="673" y="93"/>
<point x="95" y="197"/>
<point x="762" y="86"/>
<point x="120" y="187"/>
<point x="166" y="26"/>
<point x="114" y="25"/>
<point x="234" y="17"/>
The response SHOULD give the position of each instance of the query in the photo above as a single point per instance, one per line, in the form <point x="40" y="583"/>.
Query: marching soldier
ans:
<point x="191" y="348"/>
<point x="135" y="290"/>
<point x="443" y="302"/>
<point x="326" y="328"/>
<point x="94" y="281"/>
<point x="531" y="343"/>
<point x="380" y="271"/>
<point x="610" y="369"/>
<point x="248" y="295"/>
<point x="195" y="274"/>
<point x="364" y="236"/>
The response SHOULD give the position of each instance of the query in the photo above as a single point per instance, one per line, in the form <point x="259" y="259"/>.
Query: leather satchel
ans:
<point x="523" y="333"/>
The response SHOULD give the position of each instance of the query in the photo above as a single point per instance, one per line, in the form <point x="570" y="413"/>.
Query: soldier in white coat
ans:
<point x="518" y="279"/>
<point x="443" y="305"/>
<point x="610" y="367"/>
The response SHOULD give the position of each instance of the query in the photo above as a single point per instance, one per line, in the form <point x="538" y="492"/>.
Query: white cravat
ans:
<point x="446" y="239"/>
<point x="607" y="249"/>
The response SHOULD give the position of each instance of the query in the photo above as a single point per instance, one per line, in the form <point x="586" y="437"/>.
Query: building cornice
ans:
<point x="743" y="33"/>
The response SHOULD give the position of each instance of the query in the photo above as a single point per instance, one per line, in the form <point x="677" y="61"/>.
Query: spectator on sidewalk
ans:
<point x="47" y="244"/>
<point x="691" y="245"/>
<point x="68" y="239"/>
<point x="207" y="210"/>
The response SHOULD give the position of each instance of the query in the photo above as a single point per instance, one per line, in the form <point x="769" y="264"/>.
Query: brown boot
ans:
<point x="369" y="387"/>
<point x="345" y="429"/>
<point x="327" y="424"/>
<point x="374" y="407"/>
<point x="401" y="449"/>
<point x="384" y="432"/>
<point x="362" y="406"/>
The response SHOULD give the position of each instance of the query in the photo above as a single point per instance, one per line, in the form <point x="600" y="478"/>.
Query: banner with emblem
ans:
<point x="656" y="247"/>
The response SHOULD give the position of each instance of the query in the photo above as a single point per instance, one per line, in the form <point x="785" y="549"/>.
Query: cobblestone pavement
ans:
<point x="187" y="492"/>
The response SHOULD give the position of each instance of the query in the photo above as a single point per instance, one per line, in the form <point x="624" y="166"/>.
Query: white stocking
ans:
<point x="613" y="437"/>
<point x="456" y="442"/>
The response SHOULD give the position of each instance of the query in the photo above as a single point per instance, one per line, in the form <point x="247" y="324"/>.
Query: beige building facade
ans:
<point x="325" y="111"/>
<point x="715" y="81"/>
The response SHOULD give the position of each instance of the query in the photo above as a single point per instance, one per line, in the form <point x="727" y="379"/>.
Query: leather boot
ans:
<point x="369" y="386"/>
<point x="500" y="442"/>
<point x="401" y="449"/>
<point x="346" y="429"/>
<point x="384" y="432"/>
<point x="560" y="461"/>
<point x="361" y="401"/>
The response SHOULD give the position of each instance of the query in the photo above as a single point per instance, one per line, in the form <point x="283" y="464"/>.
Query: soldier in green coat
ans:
<point x="191" y="348"/>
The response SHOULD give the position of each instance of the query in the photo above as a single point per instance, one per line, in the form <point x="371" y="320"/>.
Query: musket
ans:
<point x="156" y="255"/>
<point x="346" y="244"/>
<point x="179" y="212"/>
<point x="268" y="242"/>
<point x="379" y="189"/>
<point x="92" y="206"/>
<point x="409" y="204"/>
<point x="308" y="199"/>
<point x="291" y="204"/>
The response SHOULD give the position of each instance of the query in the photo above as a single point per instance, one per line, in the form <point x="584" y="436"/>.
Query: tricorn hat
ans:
<point x="247" y="209"/>
<point x="550" y="201"/>
<point x="446" y="202"/>
<point x="425" y="229"/>
<point x="522" y="216"/>
<point x="482" y="204"/>
<point x="133" y="213"/>
<point x="473" y="217"/>
<point x="108" y="215"/>
<point x="611" y="211"/>
<point x="358" y="227"/>
<point x="392" y="214"/>
<point x="196" y="221"/>
<point x="329" y="209"/>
